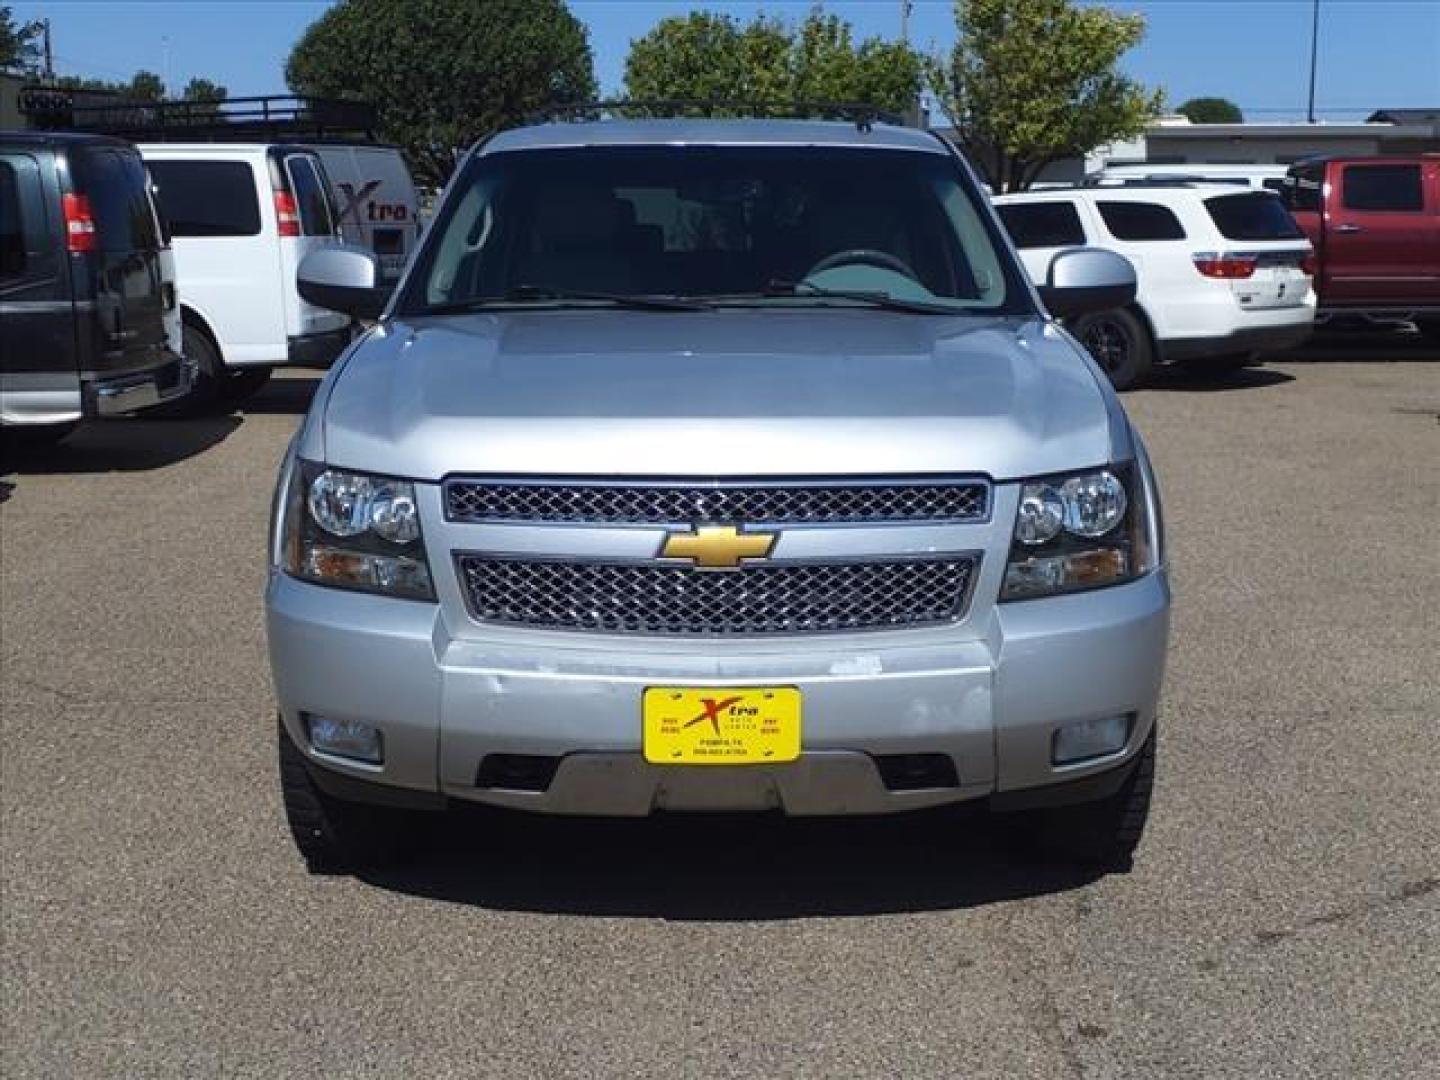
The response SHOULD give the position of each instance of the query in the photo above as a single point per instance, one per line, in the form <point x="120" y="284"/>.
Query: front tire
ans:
<point x="1120" y="343"/>
<point x="1103" y="834"/>
<point x="332" y="835"/>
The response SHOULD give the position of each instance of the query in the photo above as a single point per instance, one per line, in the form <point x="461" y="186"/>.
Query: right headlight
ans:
<point x="1082" y="531"/>
<point x="354" y="530"/>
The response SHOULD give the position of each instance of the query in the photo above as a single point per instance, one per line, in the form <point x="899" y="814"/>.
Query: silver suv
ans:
<point x="716" y="466"/>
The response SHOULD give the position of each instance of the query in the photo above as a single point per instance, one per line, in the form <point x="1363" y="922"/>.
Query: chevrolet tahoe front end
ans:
<point x="619" y="554"/>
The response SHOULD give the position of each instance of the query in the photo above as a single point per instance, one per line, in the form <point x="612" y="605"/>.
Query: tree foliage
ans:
<point x="1033" y="81"/>
<point x="19" y="43"/>
<point x="145" y="86"/>
<point x="198" y="89"/>
<point x="715" y="58"/>
<point x="1211" y="110"/>
<point x="444" y="73"/>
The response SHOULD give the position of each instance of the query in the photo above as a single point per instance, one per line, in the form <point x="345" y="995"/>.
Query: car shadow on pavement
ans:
<point x="722" y="868"/>
<point x="287" y="393"/>
<point x="132" y="445"/>
<point x="1196" y="379"/>
<point x="1386" y="346"/>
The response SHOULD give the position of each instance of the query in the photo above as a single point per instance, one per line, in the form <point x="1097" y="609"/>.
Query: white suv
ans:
<point x="1224" y="275"/>
<point x="241" y="217"/>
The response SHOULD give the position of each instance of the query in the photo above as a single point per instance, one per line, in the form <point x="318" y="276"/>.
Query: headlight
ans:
<point x="355" y="531"/>
<point x="1083" y="531"/>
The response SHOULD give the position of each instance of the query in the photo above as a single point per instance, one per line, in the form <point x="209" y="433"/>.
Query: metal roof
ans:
<point x="1404" y="116"/>
<point x="713" y="133"/>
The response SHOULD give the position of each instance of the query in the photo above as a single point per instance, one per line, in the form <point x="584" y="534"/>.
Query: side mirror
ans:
<point x="343" y="278"/>
<point x="1085" y="280"/>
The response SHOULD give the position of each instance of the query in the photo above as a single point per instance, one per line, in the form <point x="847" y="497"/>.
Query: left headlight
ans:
<point x="1082" y="531"/>
<point x="354" y="530"/>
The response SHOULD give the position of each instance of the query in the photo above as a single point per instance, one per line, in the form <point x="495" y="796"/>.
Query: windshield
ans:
<point x="784" y="225"/>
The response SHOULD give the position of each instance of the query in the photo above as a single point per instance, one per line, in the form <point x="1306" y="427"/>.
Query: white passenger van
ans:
<point x="378" y="206"/>
<point x="241" y="217"/>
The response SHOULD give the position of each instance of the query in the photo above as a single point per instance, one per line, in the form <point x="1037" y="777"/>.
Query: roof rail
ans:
<point x="267" y="118"/>
<point x="863" y="115"/>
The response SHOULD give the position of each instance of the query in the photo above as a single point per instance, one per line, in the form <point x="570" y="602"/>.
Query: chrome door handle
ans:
<point x="1347" y="228"/>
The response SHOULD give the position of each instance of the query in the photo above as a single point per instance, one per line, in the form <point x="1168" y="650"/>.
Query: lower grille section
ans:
<point x="773" y="598"/>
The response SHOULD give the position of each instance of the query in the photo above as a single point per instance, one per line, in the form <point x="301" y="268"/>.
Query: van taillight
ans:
<point x="1230" y="267"/>
<point x="287" y="213"/>
<point x="80" y="235"/>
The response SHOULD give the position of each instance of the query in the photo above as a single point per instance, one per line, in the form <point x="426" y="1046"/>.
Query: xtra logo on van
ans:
<point x="374" y="210"/>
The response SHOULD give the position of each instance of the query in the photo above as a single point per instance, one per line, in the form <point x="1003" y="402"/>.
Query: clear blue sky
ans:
<point x="1373" y="53"/>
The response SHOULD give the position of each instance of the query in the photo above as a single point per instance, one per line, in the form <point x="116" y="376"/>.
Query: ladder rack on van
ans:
<point x="268" y="118"/>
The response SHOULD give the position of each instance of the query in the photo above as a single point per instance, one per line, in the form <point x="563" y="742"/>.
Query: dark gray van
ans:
<point x="83" y="295"/>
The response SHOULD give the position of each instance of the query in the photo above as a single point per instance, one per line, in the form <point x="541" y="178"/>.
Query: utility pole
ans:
<point x="1314" y="48"/>
<point x="905" y="6"/>
<point x="49" y="53"/>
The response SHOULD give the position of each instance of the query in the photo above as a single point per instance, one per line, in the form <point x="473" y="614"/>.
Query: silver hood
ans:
<point x="732" y="392"/>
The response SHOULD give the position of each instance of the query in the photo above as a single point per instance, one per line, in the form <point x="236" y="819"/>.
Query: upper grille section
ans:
<point x="785" y="502"/>
<point x="773" y="598"/>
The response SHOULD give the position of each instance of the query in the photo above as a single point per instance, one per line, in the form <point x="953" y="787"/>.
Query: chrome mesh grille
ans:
<point x="665" y="503"/>
<point x="773" y="598"/>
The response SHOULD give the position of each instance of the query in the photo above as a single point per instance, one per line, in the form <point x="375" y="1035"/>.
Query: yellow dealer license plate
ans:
<point x="730" y="725"/>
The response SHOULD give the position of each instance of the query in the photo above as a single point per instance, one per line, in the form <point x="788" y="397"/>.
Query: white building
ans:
<point x="1174" y="140"/>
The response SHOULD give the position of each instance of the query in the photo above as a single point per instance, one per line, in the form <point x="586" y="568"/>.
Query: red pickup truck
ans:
<point x="1375" y="224"/>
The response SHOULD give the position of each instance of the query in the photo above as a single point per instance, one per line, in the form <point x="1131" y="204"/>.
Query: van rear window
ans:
<point x="310" y="197"/>
<point x="114" y="182"/>
<point x="12" y="225"/>
<point x="1256" y="216"/>
<point x="207" y="198"/>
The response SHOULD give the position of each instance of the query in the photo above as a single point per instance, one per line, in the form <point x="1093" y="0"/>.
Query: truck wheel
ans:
<point x="335" y="836"/>
<point x="240" y="386"/>
<point x="1102" y="834"/>
<point x="1120" y="344"/>
<point x="209" y="377"/>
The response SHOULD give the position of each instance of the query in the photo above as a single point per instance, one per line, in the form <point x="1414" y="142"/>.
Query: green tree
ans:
<point x="19" y="43"/>
<point x="715" y="58"/>
<point x="1033" y="81"/>
<point x="444" y="73"/>
<point x="1211" y="110"/>
<point x="198" y="89"/>
<point x="145" y="86"/>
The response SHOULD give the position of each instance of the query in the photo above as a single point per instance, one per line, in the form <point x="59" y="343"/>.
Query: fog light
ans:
<point x="347" y="739"/>
<point x="1083" y="739"/>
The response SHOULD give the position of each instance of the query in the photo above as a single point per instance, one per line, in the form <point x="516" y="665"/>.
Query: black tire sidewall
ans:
<point x="1139" y="358"/>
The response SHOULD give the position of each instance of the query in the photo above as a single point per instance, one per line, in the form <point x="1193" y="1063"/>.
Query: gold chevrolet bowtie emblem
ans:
<point x="717" y="547"/>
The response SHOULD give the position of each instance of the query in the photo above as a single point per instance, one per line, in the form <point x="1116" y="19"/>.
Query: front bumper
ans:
<point x="990" y="702"/>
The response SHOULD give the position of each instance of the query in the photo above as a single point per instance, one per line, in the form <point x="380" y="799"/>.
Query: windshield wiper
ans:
<point x="878" y="299"/>
<point x="527" y="293"/>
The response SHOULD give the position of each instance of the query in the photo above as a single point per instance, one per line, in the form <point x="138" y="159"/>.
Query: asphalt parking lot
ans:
<point x="1283" y="918"/>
